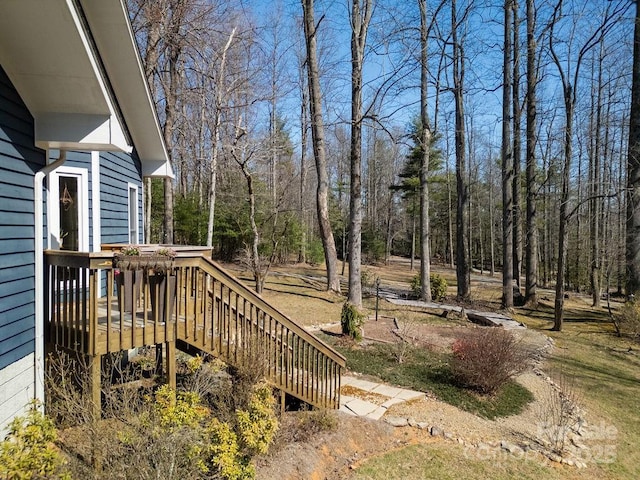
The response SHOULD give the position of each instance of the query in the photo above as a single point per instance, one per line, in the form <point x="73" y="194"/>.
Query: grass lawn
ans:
<point x="427" y="371"/>
<point x="444" y="461"/>
<point x="604" y="372"/>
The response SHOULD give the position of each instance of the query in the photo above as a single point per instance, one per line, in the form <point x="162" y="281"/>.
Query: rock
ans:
<point x="510" y="447"/>
<point x="554" y="457"/>
<point x="396" y="421"/>
<point x="413" y="423"/>
<point x="422" y="425"/>
<point x="577" y="444"/>
<point x="436" y="431"/>
<point x="448" y="436"/>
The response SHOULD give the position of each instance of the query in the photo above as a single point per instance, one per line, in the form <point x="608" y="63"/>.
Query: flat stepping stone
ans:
<point x="407" y="395"/>
<point x="365" y="385"/>
<point x="360" y="407"/>
<point x="377" y="414"/>
<point x="387" y="391"/>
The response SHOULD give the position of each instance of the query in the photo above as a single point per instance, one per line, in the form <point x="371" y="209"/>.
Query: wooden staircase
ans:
<point x="196" y="304"/>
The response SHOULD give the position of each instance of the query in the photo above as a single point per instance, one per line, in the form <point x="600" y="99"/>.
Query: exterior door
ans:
<point x="68" y="209"/>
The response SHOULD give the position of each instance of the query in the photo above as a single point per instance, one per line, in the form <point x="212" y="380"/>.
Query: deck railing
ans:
<point x="95" y="309"/>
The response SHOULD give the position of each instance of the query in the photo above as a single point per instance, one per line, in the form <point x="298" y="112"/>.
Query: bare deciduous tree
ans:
<point x="361" y="12"/>
<point x="318" y="139"/>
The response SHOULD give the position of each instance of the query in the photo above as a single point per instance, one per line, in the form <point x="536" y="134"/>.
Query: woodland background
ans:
<point x="524" y="107"/>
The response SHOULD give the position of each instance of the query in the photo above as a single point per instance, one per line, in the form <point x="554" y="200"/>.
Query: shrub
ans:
<point x="28" y="452"/>
<point x="315" y="252"/>
<point x="352" y="320"/>
<point x="438" y="286"/>
<point x="367" y="277"/>
<point x="231" y="449"/>
<point x="206" y="431"/>
<point x="258" y="424"/>
<point x="627" y="321"/>
<point x="226" y="457"/>
<point x="305" y="425"/>
<point x="558" y="415"/>
<point x="487" y="358"/>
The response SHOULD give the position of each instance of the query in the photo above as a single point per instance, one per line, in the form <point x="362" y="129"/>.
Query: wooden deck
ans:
<point x="95" y="309"/>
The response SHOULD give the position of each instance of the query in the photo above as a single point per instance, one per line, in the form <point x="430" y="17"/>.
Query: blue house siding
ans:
<point x="117" y="170"/>
<point x="19" y="160"/>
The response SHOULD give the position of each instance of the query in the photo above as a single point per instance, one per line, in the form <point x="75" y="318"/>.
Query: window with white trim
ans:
<point x="133" y="214"/>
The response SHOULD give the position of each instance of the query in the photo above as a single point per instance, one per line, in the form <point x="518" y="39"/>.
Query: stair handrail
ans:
<point x="218" y="272"/>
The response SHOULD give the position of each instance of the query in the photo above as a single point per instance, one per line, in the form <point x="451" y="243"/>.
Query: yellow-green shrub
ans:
<point x="178" y="409"/>
<point x="231" y="451"/>
<point x="226" y="456"/>
<point x="28" y="452"/>
<point x="258" y="425"/>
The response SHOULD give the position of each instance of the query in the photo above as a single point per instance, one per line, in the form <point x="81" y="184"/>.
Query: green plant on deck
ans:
<point x="130" y="250"/>
<point x="28" y="452"/>
<point x="438" y="286"/>
<point x="352" y="321"/>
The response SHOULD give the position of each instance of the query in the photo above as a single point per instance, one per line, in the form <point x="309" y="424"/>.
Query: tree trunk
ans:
<point x="517" y="149"/>
<point x="304" y="140"/>
<point x="596" y="201"/>
<point x="151" y="56"/>
<point x="492" y="233"/>
<point x="425" y="140"/>
<point x="215" y="136"/>
<point x="507" y="166"/>
<point x="564" y="201"/>
<point x="359" y="25"/>
<point x="463" y="267"/>
<point x="317" y="133"/>
<point x="633" y="173"/>
<point x="531" y="262"/>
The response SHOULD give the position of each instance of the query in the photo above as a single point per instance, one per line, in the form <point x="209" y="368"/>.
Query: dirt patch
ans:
<point x="329" y="455"/>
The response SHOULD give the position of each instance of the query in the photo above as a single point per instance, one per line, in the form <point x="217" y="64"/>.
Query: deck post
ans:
<point x="171" y="363"/>
<point x="96" y="384"/>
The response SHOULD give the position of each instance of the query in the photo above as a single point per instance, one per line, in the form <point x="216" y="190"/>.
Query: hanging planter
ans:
<point x="130" y="258"/>
<point x="131" y="267"/>
<point x="142" y="262"/>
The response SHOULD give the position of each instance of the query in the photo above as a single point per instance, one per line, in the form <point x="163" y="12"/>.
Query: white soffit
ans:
<point x="45" y="52"/>
<point x="54" y="66"/>
<point x="114" y="38"/>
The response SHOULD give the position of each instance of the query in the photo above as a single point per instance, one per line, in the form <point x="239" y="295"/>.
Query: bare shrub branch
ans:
<point x="487" y="358"/>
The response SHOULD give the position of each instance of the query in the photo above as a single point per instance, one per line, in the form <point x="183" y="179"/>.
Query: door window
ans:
<point x="69" y="210"/>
